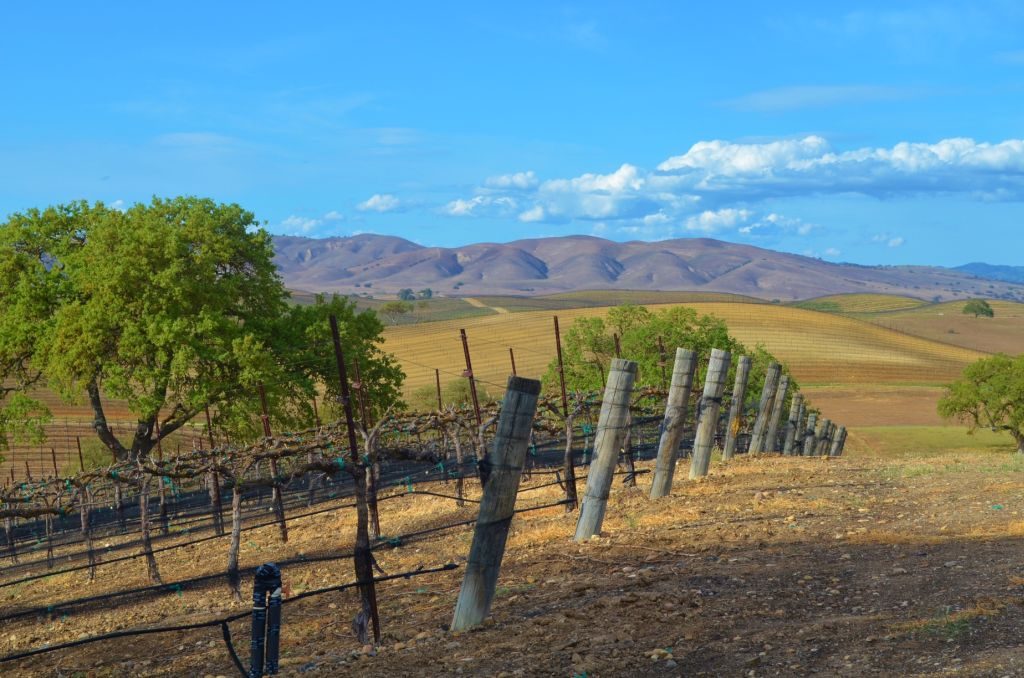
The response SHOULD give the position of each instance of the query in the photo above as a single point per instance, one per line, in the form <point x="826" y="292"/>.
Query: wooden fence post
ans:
<point x="611" y="426"/>
<point x="674" y="422"/>
<point x="707" y="418"/>
<point x="808" y="441"/>
<point x="739" y="394"/>
<point x="511" y="441"/>
<point x="836" y="438"/>
<point x="837" y="450"/>
<point x="771" y="384"/>
<point x="275" y="488"/>
<point x="821" y="440"/>
<point x="796" y="411"/>
<point x="772" y="436"/>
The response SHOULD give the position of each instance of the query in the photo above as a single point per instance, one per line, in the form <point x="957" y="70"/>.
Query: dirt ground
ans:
<point x="876" y="563"/>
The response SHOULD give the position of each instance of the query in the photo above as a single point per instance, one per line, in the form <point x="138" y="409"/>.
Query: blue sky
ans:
<point x="866" y="132"/>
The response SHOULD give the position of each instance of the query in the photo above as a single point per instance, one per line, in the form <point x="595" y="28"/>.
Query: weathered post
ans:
<point x="512" y="357"/>
<point x="840" y="442"/>
<point x="707" y="418"/>
<point x="808" y="442"/>
<point x="821" y="439"/>
<point x="796" y="410"/>
<point x="674" y="422"/>
<point x="610" y="431"/>
<point x="836" y="440"/>
<point x="83" y="514"/>
<point x="437" y="381"/>
<point x="511" y="440"/>
<point x="764" y="407"/>
<point x="739" y="393"/>
<point x="772" y="437"/>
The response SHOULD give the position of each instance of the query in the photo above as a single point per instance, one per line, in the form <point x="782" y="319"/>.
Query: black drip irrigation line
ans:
<point x="178" y="586"/>
<point x="222" y="622"/>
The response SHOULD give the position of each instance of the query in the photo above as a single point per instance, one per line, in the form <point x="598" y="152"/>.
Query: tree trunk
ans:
<point x="459" y="484"/>
<point x="11" y="546"/>
<point x="1020" y="444"/>
<point x="363" y="560"/>
<point x="119" y="507"/>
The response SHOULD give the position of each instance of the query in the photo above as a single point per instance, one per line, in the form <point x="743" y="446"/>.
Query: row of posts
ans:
<point x="801" y="436"/>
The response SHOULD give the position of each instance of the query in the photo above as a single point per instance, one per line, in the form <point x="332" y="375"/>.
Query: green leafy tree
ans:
<point x="979" y="307"/>
<point x="426" y="293"/>
<point x="989" y="394"/>
<point x="588" y="347"/>
<point x="406" y="294"/>
<point x="170" y="306"/>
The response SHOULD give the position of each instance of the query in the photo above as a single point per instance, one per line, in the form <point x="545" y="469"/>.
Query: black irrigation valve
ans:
<point x="266" y="620"/>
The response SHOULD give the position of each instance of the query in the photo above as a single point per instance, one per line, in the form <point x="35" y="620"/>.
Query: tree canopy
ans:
<point x="588" y="347"/>
<point x="170" y="306"/>
<point x="989" y="394"/>
<point x="979" y="307"/>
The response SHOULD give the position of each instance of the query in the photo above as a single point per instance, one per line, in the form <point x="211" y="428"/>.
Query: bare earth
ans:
<point x="877" y="564"/>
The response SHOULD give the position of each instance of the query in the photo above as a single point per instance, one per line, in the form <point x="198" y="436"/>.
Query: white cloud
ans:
<point x="300" y="225"/>
<point x="118" y="205"/>
<point x="379" y="202"/>
<point x="481" y="205"/>
<point x="888" y="239"/>
<point x="710" y="221"/>
<point x="832" y="252"/>
<point x="296" y="225"/>
<point x="895" y="242"/>
<point x="535" y="213"/>
<point x="809" y="166"/>
<point x="519" y="180"/>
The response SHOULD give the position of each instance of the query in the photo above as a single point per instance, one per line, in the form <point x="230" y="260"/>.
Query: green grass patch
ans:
<point x="926" y="441"/>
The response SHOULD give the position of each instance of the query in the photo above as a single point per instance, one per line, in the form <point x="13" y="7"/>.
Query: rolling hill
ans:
<point x="378" y="264"/>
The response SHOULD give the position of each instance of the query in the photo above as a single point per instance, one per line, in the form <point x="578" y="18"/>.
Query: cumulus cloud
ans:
<point x="809" y="166"/>
<point x="379" y="202"/>
<point x="479" y="206"/>
<point x="719" y="186"/>
<point x="535" y="213"/>
<point x="710" y="221"/>
<point x="301" y="225"/>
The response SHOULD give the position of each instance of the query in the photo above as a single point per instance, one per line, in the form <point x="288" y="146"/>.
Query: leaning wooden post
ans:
<point x="821" y="438"/>
<point x="511" y="441"/>
<point x="836" y="440"/>
<point x="808" y="442"/>
<point x="739" y="394"/>
<point x="674" y="422"/>
<point x="796" y="410"/>
<point x="840" y="442"/>
<point x="764" y="407"/>
<point x="707" y="418"/>
<point x="611" y="428"/>
<point x="772" y="437"/>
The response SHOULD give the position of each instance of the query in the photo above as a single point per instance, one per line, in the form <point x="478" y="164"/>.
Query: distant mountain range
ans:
<point x="1014" y="274"/>
<point x="381" y="265"/>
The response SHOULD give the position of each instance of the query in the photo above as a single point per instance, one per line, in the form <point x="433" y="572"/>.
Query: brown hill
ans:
<point x="386" y="264"/>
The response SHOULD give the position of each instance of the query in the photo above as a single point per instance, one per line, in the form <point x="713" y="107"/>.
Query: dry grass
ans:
<point x="839" y="567"/>
<point x="861" y="303"/>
